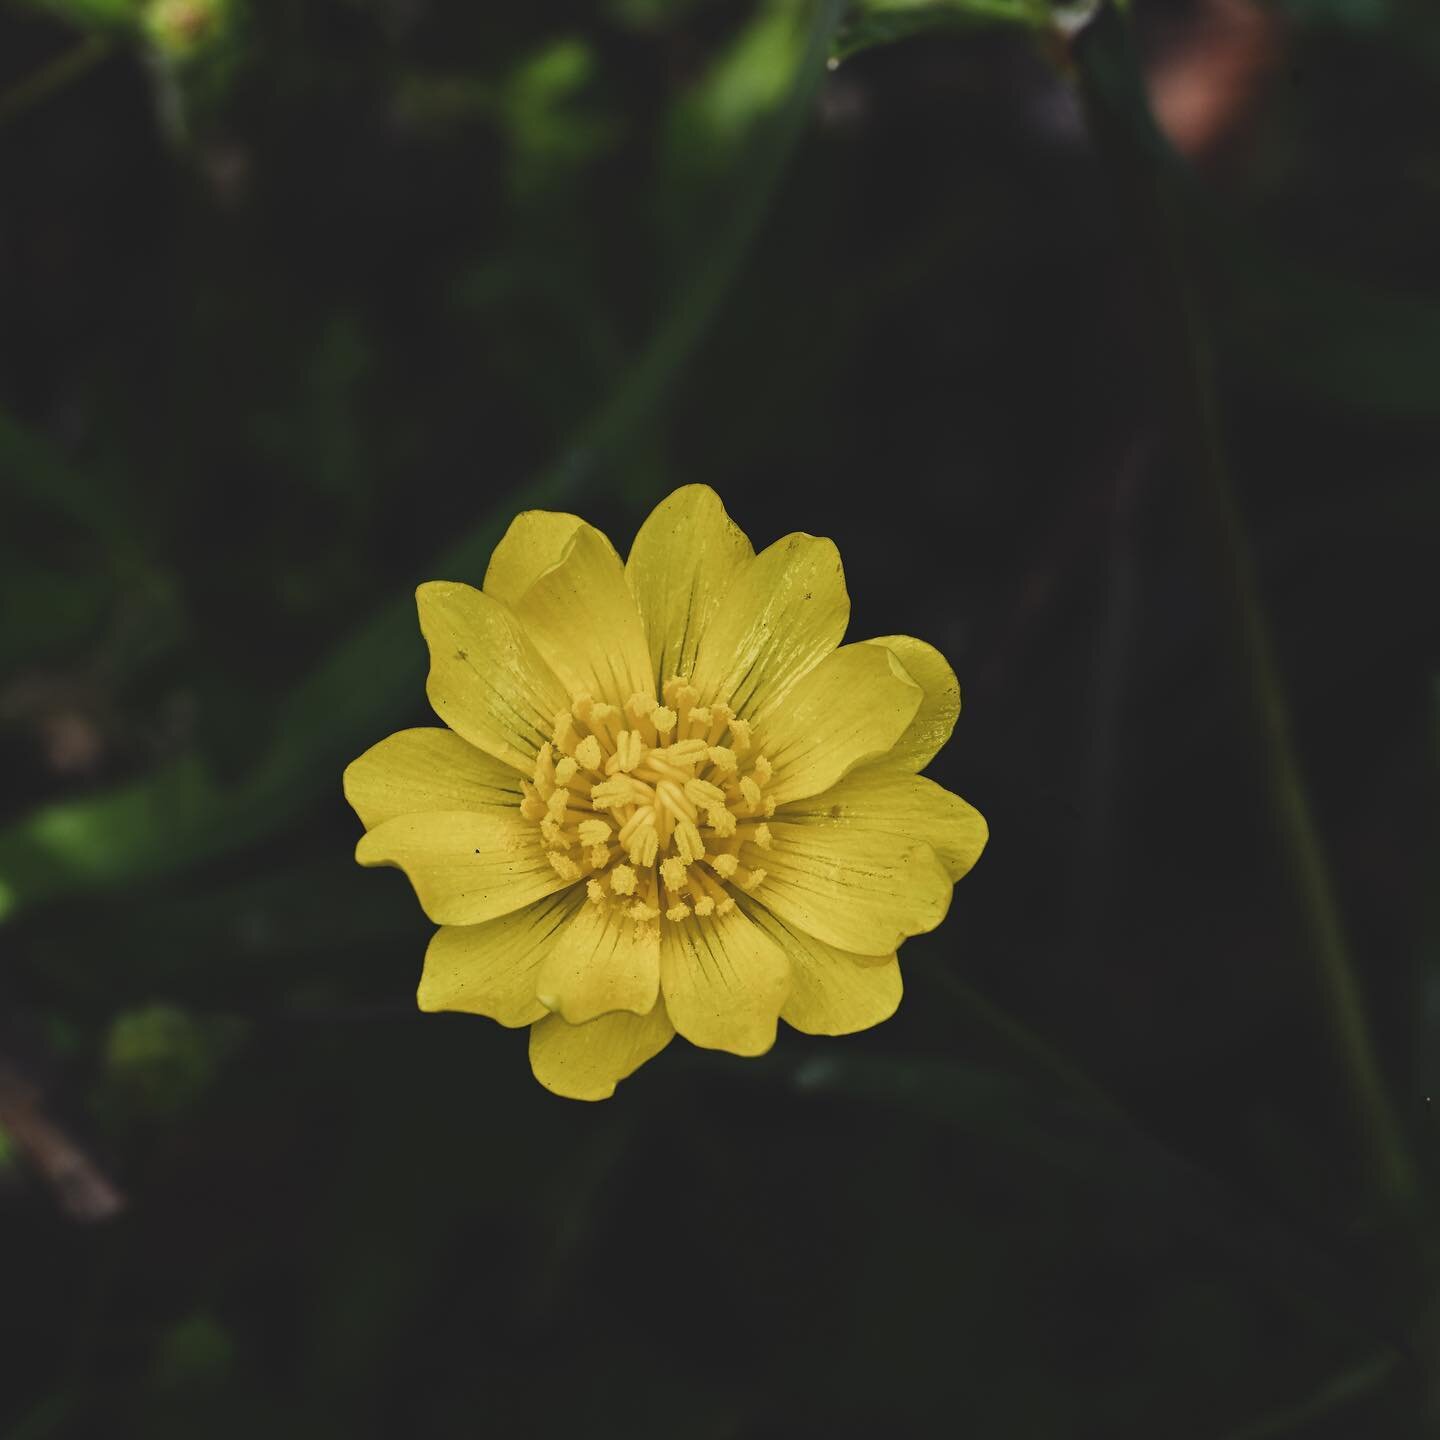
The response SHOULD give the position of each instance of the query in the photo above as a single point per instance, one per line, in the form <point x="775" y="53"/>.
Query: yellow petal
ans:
<point x="785" y="611"/>
<point x="491" y="968"/>
<point x="584" y="621"/>
<point x="683" y="561"/>
<point x="850" y="708"/>
<point x="860" y="890"/>
<point x="882" y="798"/>
<point x="724" y="981"/>
<point x="586" y="1062"/>
<point x="426" y="769"/>
<point x="940" y="708"/>
<point x="601" y="961"/>
<point x="487" y="681"/>
<point x="831" y="991"/>
<point x="534" y="542"/>
<point x="466" y="866"/>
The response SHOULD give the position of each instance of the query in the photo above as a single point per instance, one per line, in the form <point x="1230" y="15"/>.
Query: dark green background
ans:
<point x="299" y="312"/>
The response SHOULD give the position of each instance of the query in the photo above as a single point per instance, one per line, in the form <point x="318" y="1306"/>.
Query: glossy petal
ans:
<point x="466" y="866"/>
<point x="860" y="890"/>
<point x="785" y="611"/>
<point x="601" y="962"/>
<point x="684" y="560"/>
<point x="414" y="771"/>
<point x="938" y="711"/>
<point x="586" y="1062"/>
<point x="487" y="681"/>
<point x="881" y="798"/>
<point x="831" y="991"/>
<point x="850" y="708"/>
<point x="724" y="981"/>
<point x="534" y="542"/>
<point x="491" y="968"/>
<point x="584" y="621"/>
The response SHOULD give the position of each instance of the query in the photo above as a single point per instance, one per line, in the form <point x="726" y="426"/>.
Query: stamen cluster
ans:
<point x="653" y="805"/>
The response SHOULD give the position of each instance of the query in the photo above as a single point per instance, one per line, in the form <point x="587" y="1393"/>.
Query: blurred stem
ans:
<point x="1342" y="1390"/>
<point x="1033" y="1046"/>
<point x="1144" y="170"/>
<point x="71" y="65"/>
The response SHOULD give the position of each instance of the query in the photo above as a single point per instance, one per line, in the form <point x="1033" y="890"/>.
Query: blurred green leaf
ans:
<point x="198" y="1350"/>
<point x="882" y="22"/>
<point x="93" y="14"/>
<point x="161" y="1059"/>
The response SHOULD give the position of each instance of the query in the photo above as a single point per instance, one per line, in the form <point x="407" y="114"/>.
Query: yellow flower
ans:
<point x="668" y="799"/>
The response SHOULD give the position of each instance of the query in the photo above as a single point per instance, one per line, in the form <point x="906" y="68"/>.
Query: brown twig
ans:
<point x="81" y="1188"/>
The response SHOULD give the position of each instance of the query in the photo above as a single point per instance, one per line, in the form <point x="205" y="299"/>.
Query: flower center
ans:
<point x="651" y="805"/>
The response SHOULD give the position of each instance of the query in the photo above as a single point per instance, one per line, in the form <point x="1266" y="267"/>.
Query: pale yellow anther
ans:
<point x="685" y="698"/>
<point x="722" y="758"/>
<point x="639" y="706"/>
<point x="769" y="809"/>
<point x="598" y="856"/>
<point x="643" y="848"/>
<point x="581" y="706"/>
<point x="645" y="815"/>
<point x="623" y="880"/>
<point x="532" y="807"/>
<point x="740" y="736"/>
<point x="609" y="794"/>
<point x="725" y="865"/>
<point x="663" y="719"/>
<point x="705" y="905"/>
<point x="553" y="833"/>
<point x="596" y="891"/>
<point x="675" y="800"/>
<point x="565" y="771"/>
<point x="594" y="832"/>
<point x="678" y="911"/>
<point x="564" y="736"/>
<point x="565" y="867"/>
<point x="688" y="842"/>
<point x="763" y="838"/>
<point x="703" y="793"/>
<point x="687" y="752"/>
<point x="750" y="790"/>
<point x="557" y="804"/>
<point x="545" y="769"/>
<point x="589" y="753"/>
<point x="673" y="872"/>
<point x="642" y="912"/>
<point x="762" y="769"/>
<point x="629" y="750"/>
<point x="725" y="906"/>
<point x="751" y="881"/>
<point x="722" y="821"/>
<point x="700" y="717"/>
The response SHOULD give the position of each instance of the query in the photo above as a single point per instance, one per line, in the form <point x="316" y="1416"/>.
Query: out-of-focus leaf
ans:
<point x="160" y="1059"/>
<point x="1323" y="334"/>
<point x="882" y="22"/>
<point x="93" y="14"/>
<point x="198" y="1350"/>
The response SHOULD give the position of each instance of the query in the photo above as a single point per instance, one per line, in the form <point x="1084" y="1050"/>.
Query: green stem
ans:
<point x="77" y="61"/>
<point x="1128" y="140"/>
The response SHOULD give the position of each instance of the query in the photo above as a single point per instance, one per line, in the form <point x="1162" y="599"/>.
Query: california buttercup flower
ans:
<point x="667" y="798"/>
